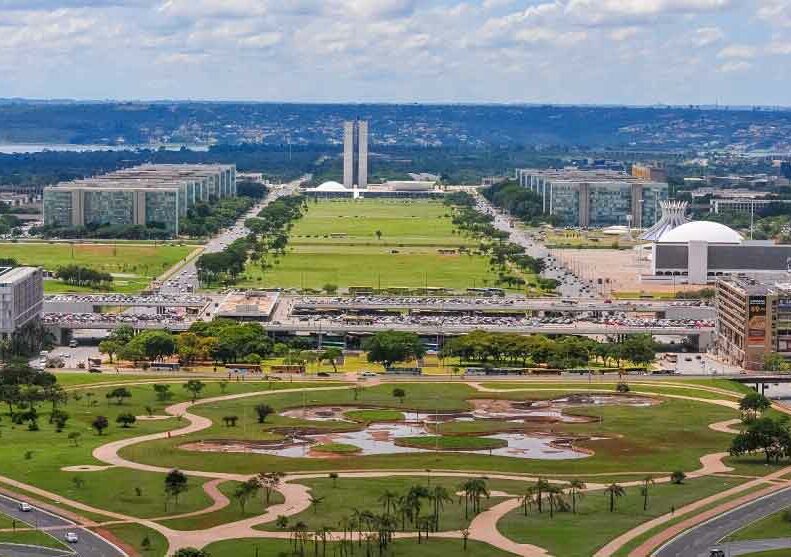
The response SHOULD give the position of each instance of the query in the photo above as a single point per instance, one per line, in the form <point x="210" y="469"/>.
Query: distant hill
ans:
<point x="196" y="123"/>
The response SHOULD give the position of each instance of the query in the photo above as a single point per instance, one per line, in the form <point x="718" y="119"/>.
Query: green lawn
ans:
<point x="29" y="537"/>
<point x="132" y="265"/>
<point x="662" y="438"/>
<point x="36" y="457"/>
<point x="339" y="499"/>
<point x="561" y="535"/>
<point x="254" y="507"/>
<point x="771" y="553"/>
<point x="400" y="548"/>
<point x="406" y="255"/>
<point x="134" y="536"/>
<point x="775" y="525"/>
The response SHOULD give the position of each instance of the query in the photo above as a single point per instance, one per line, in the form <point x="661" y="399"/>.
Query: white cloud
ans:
<point x="738" y="51"/>
<point x="776" y="13"/>
<point x="624" y="33"/>
<point x="704" y="36"/>
<point x="734" y="66"/>
<point x="606" y="12"/>
<point x="779" y="47"/>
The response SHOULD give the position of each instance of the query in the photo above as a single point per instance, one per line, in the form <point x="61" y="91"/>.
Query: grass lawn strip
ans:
<point x="254" y="506"/>
<point x="560" y="535"/>
<point x="26" y="535"/>
<point x="775" y="525"/>
<point x="401" y="548"/>
<point x="336" y="448"/>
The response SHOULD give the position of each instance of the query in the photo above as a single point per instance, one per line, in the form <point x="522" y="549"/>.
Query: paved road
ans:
<point x="187" y="275"/>
<point x="570" y="285"/>
<point x="698" y="541"/>
<point x="90" y="544"/>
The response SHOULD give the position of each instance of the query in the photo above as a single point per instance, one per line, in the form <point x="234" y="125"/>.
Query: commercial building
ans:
<point x="650" y="172"/>
<point x="146" y="195"/>
<point x="596" y="198"/>
<point x="700" y="252"/>
<point x="21" y="297"/>
<point x="355" y="154"/>
<point x="753" y="319"/>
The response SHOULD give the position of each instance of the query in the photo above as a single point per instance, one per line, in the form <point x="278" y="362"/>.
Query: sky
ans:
<point x="639" y="52"/>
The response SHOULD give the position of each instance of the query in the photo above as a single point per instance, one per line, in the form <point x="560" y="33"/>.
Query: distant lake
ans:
<point x="10" y="148"/>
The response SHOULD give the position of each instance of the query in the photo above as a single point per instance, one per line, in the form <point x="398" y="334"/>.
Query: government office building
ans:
<point x="146" y="195"/>
<point x="595" y="198"/>
<point x="21" y="297"/>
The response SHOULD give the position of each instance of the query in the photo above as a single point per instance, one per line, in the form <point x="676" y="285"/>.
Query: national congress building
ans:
<point x="146" y="195"/>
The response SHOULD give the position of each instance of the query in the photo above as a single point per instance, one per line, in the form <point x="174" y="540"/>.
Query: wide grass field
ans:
<point x="336" y="243"/>
<point x="580" y="534"/>
<point x="133" y="265"/>
<point x="36" y="457"/>
<point x="657" y="439"/>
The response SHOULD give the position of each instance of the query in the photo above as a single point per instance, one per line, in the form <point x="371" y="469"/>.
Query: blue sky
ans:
<point x="536" y="51"/>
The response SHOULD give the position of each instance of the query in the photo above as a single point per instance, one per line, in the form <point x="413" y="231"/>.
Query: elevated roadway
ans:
<point x="580" y="305"/>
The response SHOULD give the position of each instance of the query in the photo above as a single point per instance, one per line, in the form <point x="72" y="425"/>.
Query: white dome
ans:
<point x="701" y="230"/>
<point x="331" y="186"/>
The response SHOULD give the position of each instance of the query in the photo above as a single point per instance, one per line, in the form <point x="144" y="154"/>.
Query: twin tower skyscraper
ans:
<point x="355" y="154"/>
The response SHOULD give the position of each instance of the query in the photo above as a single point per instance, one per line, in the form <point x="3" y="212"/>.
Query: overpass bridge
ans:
<point x="703" y="336"/>
<point x="92" y="303"/>
<point x="661" y="308"/>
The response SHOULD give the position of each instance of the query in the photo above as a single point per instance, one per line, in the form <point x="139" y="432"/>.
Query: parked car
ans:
<point x="323" y="374"/>
<point x="368" y="374"/>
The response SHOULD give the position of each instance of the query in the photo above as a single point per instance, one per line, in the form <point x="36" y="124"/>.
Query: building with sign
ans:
<point x="753" y="319"/>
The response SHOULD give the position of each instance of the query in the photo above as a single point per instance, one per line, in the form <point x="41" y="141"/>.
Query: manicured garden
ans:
<point x="336" y="242"/>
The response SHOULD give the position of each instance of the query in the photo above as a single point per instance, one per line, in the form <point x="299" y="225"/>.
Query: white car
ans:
<point x="71" y="537"/>
<point x="24" y="507"/>
<point x="368" y="374"/>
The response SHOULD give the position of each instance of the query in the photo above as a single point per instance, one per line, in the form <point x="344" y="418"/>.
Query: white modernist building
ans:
<point x="21" y="297"/>
<point x="699" y="252"/>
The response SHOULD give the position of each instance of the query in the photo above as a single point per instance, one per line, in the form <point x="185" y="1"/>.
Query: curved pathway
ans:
<point x="297" y="497"/>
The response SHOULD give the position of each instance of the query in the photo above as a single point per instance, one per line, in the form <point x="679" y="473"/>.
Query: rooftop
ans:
<point x="702" y="231"/>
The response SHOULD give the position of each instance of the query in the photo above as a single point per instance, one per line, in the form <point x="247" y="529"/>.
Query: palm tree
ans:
<point x="315" y="500"/>
<point x="575" y="488"/>
<point x="648" y="481"/>
<point x="614" y="491"/>
<point x="388" y="500"/>
<point x="555" y="500"/>
<point x="439" y="496"/>
<point x="541" y="486"/>
<point x="475" y="489"/>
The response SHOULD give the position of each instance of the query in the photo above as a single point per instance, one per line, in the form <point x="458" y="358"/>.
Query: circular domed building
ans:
<point x="698" y="252"/>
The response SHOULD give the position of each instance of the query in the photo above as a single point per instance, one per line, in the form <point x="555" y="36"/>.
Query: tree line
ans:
<point x="566" y="352"/>
<point x="520" y="202"/>
<point x="265" y="244"/>
<point x="504" y="256"/>
<point x="77" y="275"/>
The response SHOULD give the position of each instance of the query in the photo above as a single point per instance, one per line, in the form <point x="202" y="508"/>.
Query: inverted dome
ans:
<point x="703" y="231"/>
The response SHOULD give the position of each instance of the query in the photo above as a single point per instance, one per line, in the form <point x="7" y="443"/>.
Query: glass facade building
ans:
<point x="143" y="195"/>
<point x="595" y="198"/>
